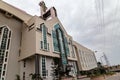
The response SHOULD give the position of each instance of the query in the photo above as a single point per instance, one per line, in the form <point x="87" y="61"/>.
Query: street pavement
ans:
<point x="114" y="77"/>
<point x="84" y="79"/>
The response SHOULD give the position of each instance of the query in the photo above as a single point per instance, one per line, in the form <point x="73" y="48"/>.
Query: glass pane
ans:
<point x="55" y="41"/>
<point x="66" y="46"/>
<point x="44" y="36"/>
<point x="43" y="66"/>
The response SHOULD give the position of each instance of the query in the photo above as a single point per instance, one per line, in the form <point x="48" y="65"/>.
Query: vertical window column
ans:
<point x="23" y="75"/>
<point x="44" y="44"/>
<point x="4" y="47"/>
<point x="43" y="66"/>
<point x="55" y="41"/>
<point x="60" y="45"/>
<point x="66" y="46"/>
<point x="44" y="36"/>
<point x="73" y="54"/>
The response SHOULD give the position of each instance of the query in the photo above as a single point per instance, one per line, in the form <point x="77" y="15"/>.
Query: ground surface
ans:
<point x="114" y="77"/>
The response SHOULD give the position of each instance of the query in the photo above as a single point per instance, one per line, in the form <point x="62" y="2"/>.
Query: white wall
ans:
<point x="15" y="26"/>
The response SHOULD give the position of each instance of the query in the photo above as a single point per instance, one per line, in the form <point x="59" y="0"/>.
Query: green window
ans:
<point x="48" y="46"/>
<point x="57" y="26"/>
<point x="41" y="42"/>
<point x="55" y="41"/>
<point x="44" y="44"/>
<point x="62" y="47"/>
<point x="44" y="73"/>
<point x="60" y="43"/>
<point x="44" y="33"/>
<point x="66" y="46"/>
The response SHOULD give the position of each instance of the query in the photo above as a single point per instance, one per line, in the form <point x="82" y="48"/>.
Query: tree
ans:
<point x="34" y="76"/>
<point x="17" y="77"/>
<point x="99" y="64"/>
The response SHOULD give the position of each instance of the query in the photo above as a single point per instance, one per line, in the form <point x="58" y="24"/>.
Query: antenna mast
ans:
<point x="106" y="59"/>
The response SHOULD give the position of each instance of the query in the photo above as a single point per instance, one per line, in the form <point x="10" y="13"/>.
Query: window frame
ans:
<point x="46" y="71"/>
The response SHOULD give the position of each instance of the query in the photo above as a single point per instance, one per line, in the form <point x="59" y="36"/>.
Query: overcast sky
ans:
<point x="92" y="23"/>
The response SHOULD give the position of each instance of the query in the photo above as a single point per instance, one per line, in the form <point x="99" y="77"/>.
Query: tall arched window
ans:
<point x="5" y="36"/>
<point x="60" y="43"/>
<point x="44" y="44"/>
<point x="71" y="44"/>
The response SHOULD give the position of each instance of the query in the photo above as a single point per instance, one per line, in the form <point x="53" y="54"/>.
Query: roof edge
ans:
<point x="22" y="15"/>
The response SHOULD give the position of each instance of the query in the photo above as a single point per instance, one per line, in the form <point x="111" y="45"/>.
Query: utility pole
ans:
<point x="106" y="59"/>
<point x="101" y="60"/>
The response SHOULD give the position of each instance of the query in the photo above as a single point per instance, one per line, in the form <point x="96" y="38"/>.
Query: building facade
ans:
<point x="37" y="45"/>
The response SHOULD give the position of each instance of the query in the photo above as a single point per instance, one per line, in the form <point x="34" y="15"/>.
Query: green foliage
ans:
<point x="17" y="77"/>
<point x="110" y="73"/>
<point x="34" y="76"/>
<point x="100" y="70"/>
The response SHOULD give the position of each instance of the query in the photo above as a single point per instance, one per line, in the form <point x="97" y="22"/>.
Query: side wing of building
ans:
<point x="85" y="57"/>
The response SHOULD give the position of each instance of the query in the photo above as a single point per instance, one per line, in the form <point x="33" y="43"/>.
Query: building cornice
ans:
<point x="22" y="15"/>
